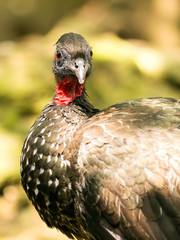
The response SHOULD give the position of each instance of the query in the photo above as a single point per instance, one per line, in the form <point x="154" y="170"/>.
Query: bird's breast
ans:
<point x="46" y="167"/>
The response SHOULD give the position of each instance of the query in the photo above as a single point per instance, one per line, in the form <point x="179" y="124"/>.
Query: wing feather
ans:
<point x="133" y="162"/>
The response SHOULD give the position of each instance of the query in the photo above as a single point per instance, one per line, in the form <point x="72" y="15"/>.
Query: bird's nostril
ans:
<point x="79" y="63"/>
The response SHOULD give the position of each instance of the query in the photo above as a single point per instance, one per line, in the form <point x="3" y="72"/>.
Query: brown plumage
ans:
<point x="108" y="174"/>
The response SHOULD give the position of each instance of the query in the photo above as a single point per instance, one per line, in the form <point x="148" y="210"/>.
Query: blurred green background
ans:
<point x="136" y="47"/>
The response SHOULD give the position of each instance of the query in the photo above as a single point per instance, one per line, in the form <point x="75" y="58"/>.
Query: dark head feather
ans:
<point x="73" y="43"/>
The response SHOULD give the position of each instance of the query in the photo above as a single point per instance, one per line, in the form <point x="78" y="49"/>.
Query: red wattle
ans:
<point x="66" y="91"/>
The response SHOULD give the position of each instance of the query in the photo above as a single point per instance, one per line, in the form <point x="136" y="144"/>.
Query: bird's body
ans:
<point x="106" y="174"/>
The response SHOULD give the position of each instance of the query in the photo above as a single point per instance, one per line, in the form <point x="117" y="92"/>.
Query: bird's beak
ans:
<point x="80" y="69"/>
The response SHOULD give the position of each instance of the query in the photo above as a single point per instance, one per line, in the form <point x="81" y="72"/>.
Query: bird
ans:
<point x="108" y="174"/>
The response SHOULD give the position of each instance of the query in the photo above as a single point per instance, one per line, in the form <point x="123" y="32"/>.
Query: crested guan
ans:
<point x="103" y="174"/>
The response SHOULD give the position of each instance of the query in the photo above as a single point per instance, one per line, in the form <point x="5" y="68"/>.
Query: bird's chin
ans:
<point x="67" y="90"/>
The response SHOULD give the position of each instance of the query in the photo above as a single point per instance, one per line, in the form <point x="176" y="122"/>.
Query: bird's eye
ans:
<point x="91" y="53"/>
<point x="58" y="55"/>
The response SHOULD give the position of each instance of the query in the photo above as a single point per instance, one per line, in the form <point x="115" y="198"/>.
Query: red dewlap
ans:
<point x="66" y="91"/>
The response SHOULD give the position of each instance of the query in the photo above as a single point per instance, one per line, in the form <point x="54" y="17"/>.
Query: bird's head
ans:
<point x="71" y="66"/>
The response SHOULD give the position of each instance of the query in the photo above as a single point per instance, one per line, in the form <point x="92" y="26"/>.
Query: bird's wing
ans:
<point x="129" y="164"/>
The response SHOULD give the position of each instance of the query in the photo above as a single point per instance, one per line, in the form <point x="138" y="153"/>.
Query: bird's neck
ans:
<point x="67" y="90"/>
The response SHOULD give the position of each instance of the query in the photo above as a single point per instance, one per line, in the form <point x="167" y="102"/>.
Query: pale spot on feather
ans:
<point x="27" y="161"/>
<point x="50" y="172"/>
<point x="52" y="145"/>
<point x="70" y="186"/>
<point x="32" y="167"/>
<point x="65" y="163"/>
<point x="62" y="157"/>
<point x="41" y="170"/>
<point x="37" y="181"/>
<point x="35" y="151"/>
<point x="29" y="179"/>
<point x="43" y="141"/>
<point x="49" y="134"/>
<point x="56" y="182"/>
<point x="47" y="202"/>
<point x="50" y="182"/>
<point x="43" y="130"/>
<point x="56" y="158"/>
<point x="49" y="158"/>
<point x="35" y="140"/>
<point x="36" y="191"/>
